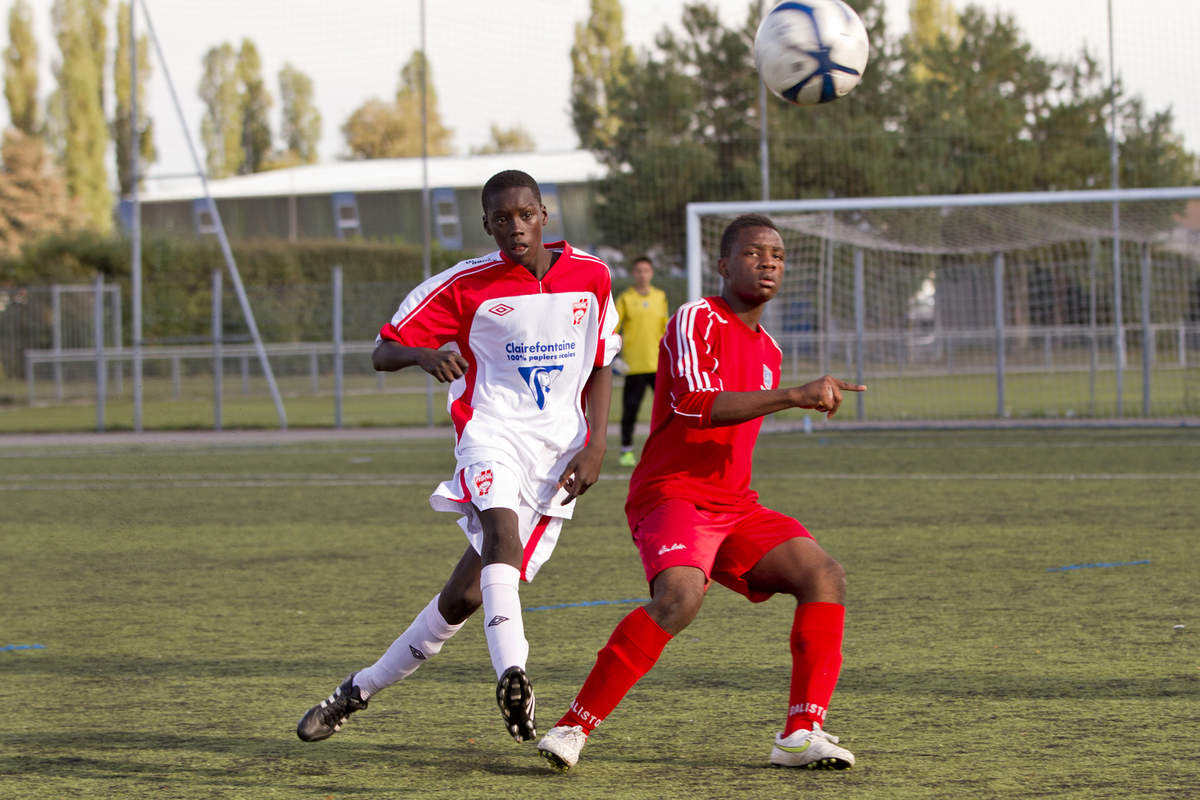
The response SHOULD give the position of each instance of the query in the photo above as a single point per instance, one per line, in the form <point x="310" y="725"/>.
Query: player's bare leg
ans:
<point x="801" y="568"/>
<point x="499" y="580"/>
<point x="675" y="598"/>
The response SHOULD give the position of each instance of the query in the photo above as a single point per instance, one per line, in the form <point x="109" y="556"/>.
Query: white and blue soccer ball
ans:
<point x="811" y="51"/>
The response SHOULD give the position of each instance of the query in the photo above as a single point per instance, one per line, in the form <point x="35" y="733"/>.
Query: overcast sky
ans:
<point x="508" y="63"/>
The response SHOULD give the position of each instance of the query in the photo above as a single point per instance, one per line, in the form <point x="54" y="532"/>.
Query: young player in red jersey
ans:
<point x="695" y="519"/>
<point x="525" y="336"/>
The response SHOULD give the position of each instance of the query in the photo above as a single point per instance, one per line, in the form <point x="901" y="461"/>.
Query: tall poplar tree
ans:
<point x="255" y="101"/>
<point x="20" y="69"/>
<point x="221" y="126"/>
<point x="300" y="121"/>
<point x="78" y="25"/>
<point x="122" y="123"/>
<point x="601" y="62"/>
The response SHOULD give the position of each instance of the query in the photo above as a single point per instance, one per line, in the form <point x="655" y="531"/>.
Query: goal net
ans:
<point x="1023" y="306"/>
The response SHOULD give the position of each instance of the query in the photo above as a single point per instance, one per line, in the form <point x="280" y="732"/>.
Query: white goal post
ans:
<point x="1022" y="305"/>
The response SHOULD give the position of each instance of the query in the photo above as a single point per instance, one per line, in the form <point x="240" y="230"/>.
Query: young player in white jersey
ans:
<point x="525" y="337"/>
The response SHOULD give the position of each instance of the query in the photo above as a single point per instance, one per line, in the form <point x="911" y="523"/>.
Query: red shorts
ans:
<point x="725" y="546"/>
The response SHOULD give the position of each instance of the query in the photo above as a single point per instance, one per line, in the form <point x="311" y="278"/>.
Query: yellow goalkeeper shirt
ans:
<point x="642" y="322"/>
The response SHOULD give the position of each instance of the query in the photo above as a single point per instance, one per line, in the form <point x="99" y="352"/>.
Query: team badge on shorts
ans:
<point x="483" y="482"/>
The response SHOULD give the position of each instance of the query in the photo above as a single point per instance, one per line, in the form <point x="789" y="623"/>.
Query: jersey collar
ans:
<point x="559" y="245"/>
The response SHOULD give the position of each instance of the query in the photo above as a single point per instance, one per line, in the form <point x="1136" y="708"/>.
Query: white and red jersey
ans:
<point x="705" y="350"/>
<point x="531" y="346"/>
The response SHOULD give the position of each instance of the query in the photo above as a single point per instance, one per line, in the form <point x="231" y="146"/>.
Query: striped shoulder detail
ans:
<point x="688" y="332"/>
<point x="424" y="294"/>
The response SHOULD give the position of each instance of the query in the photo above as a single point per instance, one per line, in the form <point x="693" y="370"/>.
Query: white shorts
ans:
<point x="484" y="486"/>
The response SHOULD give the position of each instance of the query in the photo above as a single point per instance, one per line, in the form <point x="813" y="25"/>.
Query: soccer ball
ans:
<point x="811" y="51"/>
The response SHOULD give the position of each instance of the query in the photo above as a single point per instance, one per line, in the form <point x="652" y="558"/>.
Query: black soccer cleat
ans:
<point x="514" y="695"/>
<point x="326" y="719"/>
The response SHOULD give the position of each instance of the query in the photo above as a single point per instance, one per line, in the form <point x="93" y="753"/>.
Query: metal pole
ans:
<point x="764" y="156"/>
<point x="118" y="369"/>
<point x="226" y="251"/>
<point x="101" y="367"/>
<point x="860" y="324"/>
<point x="56" y="338"/>
<point x="1148" y="339"/>
<point x="426" y="244"/>
<point x="135" y="222"/>
<point x="998" y="288"/>
<point x="1114" y="166"/>
<point x="338" y="388"/>
<point x="1093" y="355"/>
<point x="218" y="356"/>
<point x="828" y="321"/>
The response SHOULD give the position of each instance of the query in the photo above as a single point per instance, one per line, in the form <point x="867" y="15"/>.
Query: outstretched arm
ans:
<point x="445" y="365"/>
<point x="584" y="469"/>
<point x="823" y="394"/>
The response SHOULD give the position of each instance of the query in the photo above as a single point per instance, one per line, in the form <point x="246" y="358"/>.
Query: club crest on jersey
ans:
<point x="578" y="310"/>
<point x="539" y="379"/>
<point x="483" y="482"/>
<point x="767" y="377"/>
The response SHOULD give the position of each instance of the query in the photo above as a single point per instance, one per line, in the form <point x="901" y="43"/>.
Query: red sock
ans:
<point x="631" y="651"/>
<point x="816" y="642"/>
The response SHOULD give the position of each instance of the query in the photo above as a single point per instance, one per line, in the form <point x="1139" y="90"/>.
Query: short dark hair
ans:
<point x="640" y="259"/>
<point x="740" y="224"/>
<point x="509" y="179"/>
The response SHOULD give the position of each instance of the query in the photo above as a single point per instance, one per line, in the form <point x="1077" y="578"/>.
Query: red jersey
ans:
<point x="705" y="350"/>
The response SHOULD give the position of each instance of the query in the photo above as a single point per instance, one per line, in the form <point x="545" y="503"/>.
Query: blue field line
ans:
<point x="590" y="603"/>
<point x="1089" y="566"/>
<point x="23" y="647"/>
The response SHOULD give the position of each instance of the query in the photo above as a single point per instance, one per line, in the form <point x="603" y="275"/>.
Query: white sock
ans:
<point x="421" y="641"/>
<point x="502" y="617"/>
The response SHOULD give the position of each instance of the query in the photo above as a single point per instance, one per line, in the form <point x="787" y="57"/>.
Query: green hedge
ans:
<point x="288" y="282"/>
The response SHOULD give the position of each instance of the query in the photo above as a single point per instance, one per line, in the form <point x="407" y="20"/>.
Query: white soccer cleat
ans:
<point x="813" y="749"/>
<point x="561" y="745"/>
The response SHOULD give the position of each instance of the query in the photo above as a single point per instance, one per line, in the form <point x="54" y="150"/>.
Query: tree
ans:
<point x="122" y="122"/>
<point x="300" y="126"/>
<point x="963" y="105"/>
<point x="927" y="20"/>
<point x="20" y="69"/>
<point x="601" y="62"/>
<point x="507" y="140"/>
<point x="78" y="25"/>
<point x="33" y="195"/>
<point x="381" y="130"/>
<point x="255" y="103"/>
<point x="221" y="128"/>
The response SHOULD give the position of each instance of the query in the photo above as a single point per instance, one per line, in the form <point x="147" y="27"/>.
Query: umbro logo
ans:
<point x="417" y="654"/>
<point x="500" y="309"/>
<point x="496" y="620"/>
<point x="677" y="546"/>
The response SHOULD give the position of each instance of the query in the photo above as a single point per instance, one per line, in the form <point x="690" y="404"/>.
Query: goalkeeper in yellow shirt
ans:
<point x="642" y="312"/>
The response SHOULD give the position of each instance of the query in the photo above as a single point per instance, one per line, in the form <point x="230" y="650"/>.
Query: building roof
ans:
<point x="381" y="175"/>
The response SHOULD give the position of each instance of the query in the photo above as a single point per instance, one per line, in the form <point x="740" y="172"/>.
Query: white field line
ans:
<point x="85" y="482"/>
